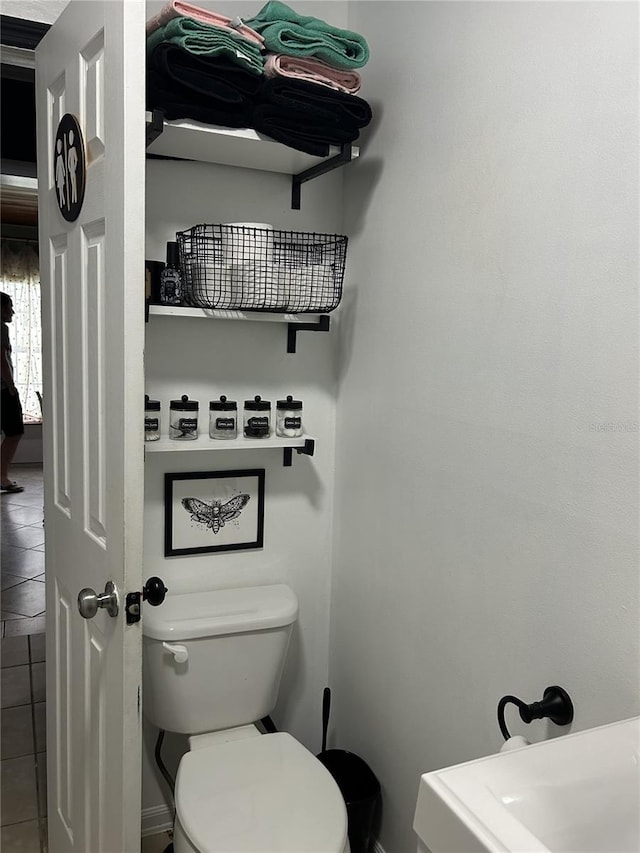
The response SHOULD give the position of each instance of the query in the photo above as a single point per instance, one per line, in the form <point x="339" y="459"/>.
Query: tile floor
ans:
<point x="23" y="826"/>
<point x="23" y="764"/>
<point x="22" y="603"/>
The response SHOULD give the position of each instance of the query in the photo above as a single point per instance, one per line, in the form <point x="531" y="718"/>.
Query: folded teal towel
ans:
<point x="285" y="31"/>
<point x="205" y="40"/>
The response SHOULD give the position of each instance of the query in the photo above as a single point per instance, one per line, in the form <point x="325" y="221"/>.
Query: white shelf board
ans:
<point x="218" y="314"/>
<point x="229" y="146"/>
<point x="203" y="442"/>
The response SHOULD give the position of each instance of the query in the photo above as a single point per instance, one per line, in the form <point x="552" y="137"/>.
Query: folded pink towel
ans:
<point x="182" y="9"/>
<point x="312" y="70"/>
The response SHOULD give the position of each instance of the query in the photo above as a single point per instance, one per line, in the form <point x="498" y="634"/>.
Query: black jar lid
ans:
<point x="223" y="405"/>
<point x="184" y="404"/>
<point x="257" y="404"/>
<point x="151" y="405"/>
<point x="289" y="403"/>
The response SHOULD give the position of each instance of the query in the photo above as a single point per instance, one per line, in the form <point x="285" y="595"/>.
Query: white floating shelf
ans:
<point x="219" y="314"/>
<point x="227" y="146"/>
<point x="204" y="443"/>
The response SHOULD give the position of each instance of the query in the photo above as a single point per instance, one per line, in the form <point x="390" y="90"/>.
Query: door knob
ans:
<point x="89" y="601"/>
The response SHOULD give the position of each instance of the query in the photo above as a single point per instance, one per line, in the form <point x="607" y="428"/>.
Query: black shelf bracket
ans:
<point x="154" y="127"/>
<point x="307" y="449"/>
<point x="323" y="325"/>
<point x="340" y="159"/>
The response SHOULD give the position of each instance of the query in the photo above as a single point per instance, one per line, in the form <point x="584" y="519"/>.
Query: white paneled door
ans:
<point x="91" y="65"/>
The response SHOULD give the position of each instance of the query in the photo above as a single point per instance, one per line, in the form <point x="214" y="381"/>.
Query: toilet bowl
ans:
<point x="259" y="793"/>
<point x="212" y="665"/>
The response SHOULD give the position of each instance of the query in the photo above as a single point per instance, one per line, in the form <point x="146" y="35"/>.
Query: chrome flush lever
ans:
<point x="180" y="653"/>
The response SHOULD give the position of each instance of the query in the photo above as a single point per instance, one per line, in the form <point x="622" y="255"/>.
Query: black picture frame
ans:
<point x="210" y="511"/>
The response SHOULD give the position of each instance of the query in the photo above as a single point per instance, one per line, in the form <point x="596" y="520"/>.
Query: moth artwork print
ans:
<point x="208" y="511"/>
<point x="215" y="514"/>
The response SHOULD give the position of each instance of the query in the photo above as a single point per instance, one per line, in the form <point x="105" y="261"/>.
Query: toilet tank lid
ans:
<point x="222" y="611"/>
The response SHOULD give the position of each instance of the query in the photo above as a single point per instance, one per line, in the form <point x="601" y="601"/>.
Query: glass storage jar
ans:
<point x="183" y="419"/>
<point x="223" y="422"/>
<point x="289" y="418"/>
<point x="257" y="418"/>
<point x="151" y="419"/>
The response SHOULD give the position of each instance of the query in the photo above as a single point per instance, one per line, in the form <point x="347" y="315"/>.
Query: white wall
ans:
<point x="334" y="11"/>
<point x="486" y="454"/>
<point x="29" y="450"/>
<point x="48" y="11"/>
<point x="204" y="359"/>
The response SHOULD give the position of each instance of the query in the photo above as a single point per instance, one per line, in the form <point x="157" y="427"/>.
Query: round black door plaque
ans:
<point x="69" y="167"/>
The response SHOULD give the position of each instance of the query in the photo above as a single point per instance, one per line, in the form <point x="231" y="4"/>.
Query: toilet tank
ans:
<point x="213" y="660"/>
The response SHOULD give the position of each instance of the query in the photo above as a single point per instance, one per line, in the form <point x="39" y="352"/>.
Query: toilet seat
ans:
<point x="266" y="794"/>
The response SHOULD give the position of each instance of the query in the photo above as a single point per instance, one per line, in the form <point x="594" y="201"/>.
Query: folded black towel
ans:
<point x="302" y="96"/>
<point x="213" y="91"/>
<point x="307" y="116"/>
<point x="228" y="108"/>
<point x="302" y="131"/>
<point x="217" y="78"/>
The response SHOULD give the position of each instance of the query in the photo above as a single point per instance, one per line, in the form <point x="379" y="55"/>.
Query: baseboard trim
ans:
<point x="155" y="820"/>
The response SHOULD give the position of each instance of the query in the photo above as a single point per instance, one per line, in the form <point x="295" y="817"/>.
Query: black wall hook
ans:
<point x="556" y="705"/>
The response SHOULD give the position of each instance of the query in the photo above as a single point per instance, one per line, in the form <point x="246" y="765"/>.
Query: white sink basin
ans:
<point x="575" y="794"/>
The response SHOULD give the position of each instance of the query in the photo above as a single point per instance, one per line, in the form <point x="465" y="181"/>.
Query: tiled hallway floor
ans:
<point x="22" y="605"/>
<point x="22" y="552"/>
<point x="23" y="764"/>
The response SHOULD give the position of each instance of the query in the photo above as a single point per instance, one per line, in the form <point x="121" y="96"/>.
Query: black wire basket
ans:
<point x="261" y="269"/>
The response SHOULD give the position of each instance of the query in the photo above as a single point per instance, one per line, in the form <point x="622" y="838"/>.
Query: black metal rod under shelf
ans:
<point x="308" y="449"/>
<point x="345" y="156"/>
<point x="323" y="325"/>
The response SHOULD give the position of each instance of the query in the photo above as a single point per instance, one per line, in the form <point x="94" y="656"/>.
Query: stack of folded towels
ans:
<point x="289" y="76"/>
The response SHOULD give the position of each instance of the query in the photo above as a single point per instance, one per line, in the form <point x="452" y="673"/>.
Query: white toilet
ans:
<point x="212" y="666"/>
